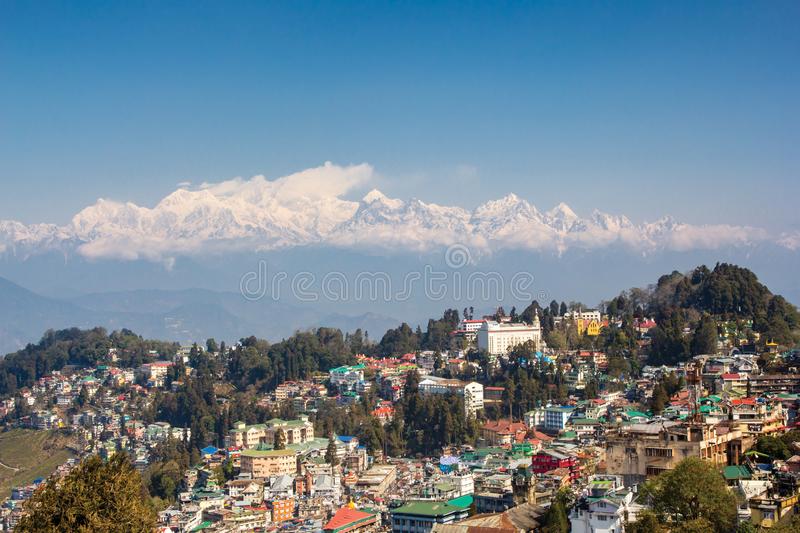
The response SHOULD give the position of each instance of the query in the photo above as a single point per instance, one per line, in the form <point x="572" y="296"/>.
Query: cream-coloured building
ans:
<point x="498" y="338"/>
<point x="588" y="315"/>
<point x="262" y="464"/>
<point x="248" y="437"/>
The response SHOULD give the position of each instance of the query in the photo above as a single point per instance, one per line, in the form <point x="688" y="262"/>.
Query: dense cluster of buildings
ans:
<point x="285" y="476"/>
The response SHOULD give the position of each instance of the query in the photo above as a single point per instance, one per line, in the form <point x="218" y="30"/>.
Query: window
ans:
<point x="658" y="452"/>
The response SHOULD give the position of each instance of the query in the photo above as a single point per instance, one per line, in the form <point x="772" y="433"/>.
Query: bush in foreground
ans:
<point x="95" y="496"/>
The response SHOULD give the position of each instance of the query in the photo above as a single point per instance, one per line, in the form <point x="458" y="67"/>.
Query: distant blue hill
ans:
<point x="185" y="316"/>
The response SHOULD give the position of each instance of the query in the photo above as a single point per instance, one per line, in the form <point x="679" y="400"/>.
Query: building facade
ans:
<point x="640" y="451"/>
<point x="472" y="392"/>
<point x="263" y="464"/>
<point x="498" y="338"/>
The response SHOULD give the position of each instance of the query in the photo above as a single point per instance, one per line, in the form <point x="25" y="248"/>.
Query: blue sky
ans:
<point x="638" y="108"/>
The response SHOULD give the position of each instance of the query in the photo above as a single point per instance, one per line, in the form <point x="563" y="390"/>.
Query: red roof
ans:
<point x="504" y="427"/>
<point x="743" y="401"/>
<point x="344" y="517"/>
<point x="731" y="376"/>
<point x="542" y="436"/>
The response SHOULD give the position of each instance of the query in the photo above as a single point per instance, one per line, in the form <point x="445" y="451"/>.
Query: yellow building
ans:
<point x="589" y="327"/>
<point x="261" y="464"/>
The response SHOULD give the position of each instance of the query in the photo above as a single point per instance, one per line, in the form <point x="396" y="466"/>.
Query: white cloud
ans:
<point x="711" y="237"/>
<point x="790" y="241"/>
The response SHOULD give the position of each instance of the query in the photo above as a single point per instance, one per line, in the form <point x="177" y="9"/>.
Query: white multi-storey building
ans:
<point x="588" y="314"/>
<point x="346" y="377"/>
<point x="472" y="392"/>
<point x="470" y="326"/>
<point x="498" y="338"/>
<point x="605" y="508"/>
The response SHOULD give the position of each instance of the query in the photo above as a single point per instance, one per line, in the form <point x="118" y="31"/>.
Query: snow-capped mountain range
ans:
<point x="308" y="209"/>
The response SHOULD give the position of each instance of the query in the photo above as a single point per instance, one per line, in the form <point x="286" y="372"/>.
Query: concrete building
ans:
<point x="605" y="508"/>
<point x="470" y="326"/>
<point x="347" y="520"/>
<point x="248" y="437"/>
<point x="377" y="479"/>
<point x="472" y="392"/>
<point x="587" y="314"/>
<point x="347" y="377"/>
<point x="774" y="383"/>
<point x="503" y="432"/>
<point x="556" y="416"/>
<point x="498" y="338"/>
<point x="263" y="464"/>
<point x="420" y="517"/>
<point x="640" y="451"/>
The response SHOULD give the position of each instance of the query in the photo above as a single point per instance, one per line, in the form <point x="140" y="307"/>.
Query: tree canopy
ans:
<point x="691" y="495"/>
<point x="74" y="346"/>
<point x="95" y="496"/>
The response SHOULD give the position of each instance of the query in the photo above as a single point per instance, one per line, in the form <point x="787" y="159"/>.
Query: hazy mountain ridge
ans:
<point x="183" y="316"/>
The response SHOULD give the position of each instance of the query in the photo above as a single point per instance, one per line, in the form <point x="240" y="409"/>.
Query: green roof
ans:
<point x="202" y="526"/>
<point x="736" y="472"/>
<point x="317" y="443"/>
<point x="636" y="414"/>
<point x="712" y="398"/>
<point x="432" y="509"/>
<point x="576" y="421"/>
<point x="343" y="369"/>
<point x="463" y="501"/>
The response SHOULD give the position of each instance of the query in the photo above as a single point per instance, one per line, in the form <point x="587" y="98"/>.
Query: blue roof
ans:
<point x="209" y="450"/>
<point x="345" y="438"/>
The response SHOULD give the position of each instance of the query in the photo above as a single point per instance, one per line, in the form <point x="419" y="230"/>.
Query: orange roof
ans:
<point x="344" y="517"/>
<point x="743" y="401"/>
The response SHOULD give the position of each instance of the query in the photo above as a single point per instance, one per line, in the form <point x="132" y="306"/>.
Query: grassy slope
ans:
<point x="34" y="453"/>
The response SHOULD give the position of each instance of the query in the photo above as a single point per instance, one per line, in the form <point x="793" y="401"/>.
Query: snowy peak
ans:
<point x="308" y="209"/>
<point x="379" y="200"/>
<point x="561" y="218"/>
<point x="562" y="212"/>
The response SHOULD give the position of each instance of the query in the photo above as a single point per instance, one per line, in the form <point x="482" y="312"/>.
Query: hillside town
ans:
<point x="510" y="426"/>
